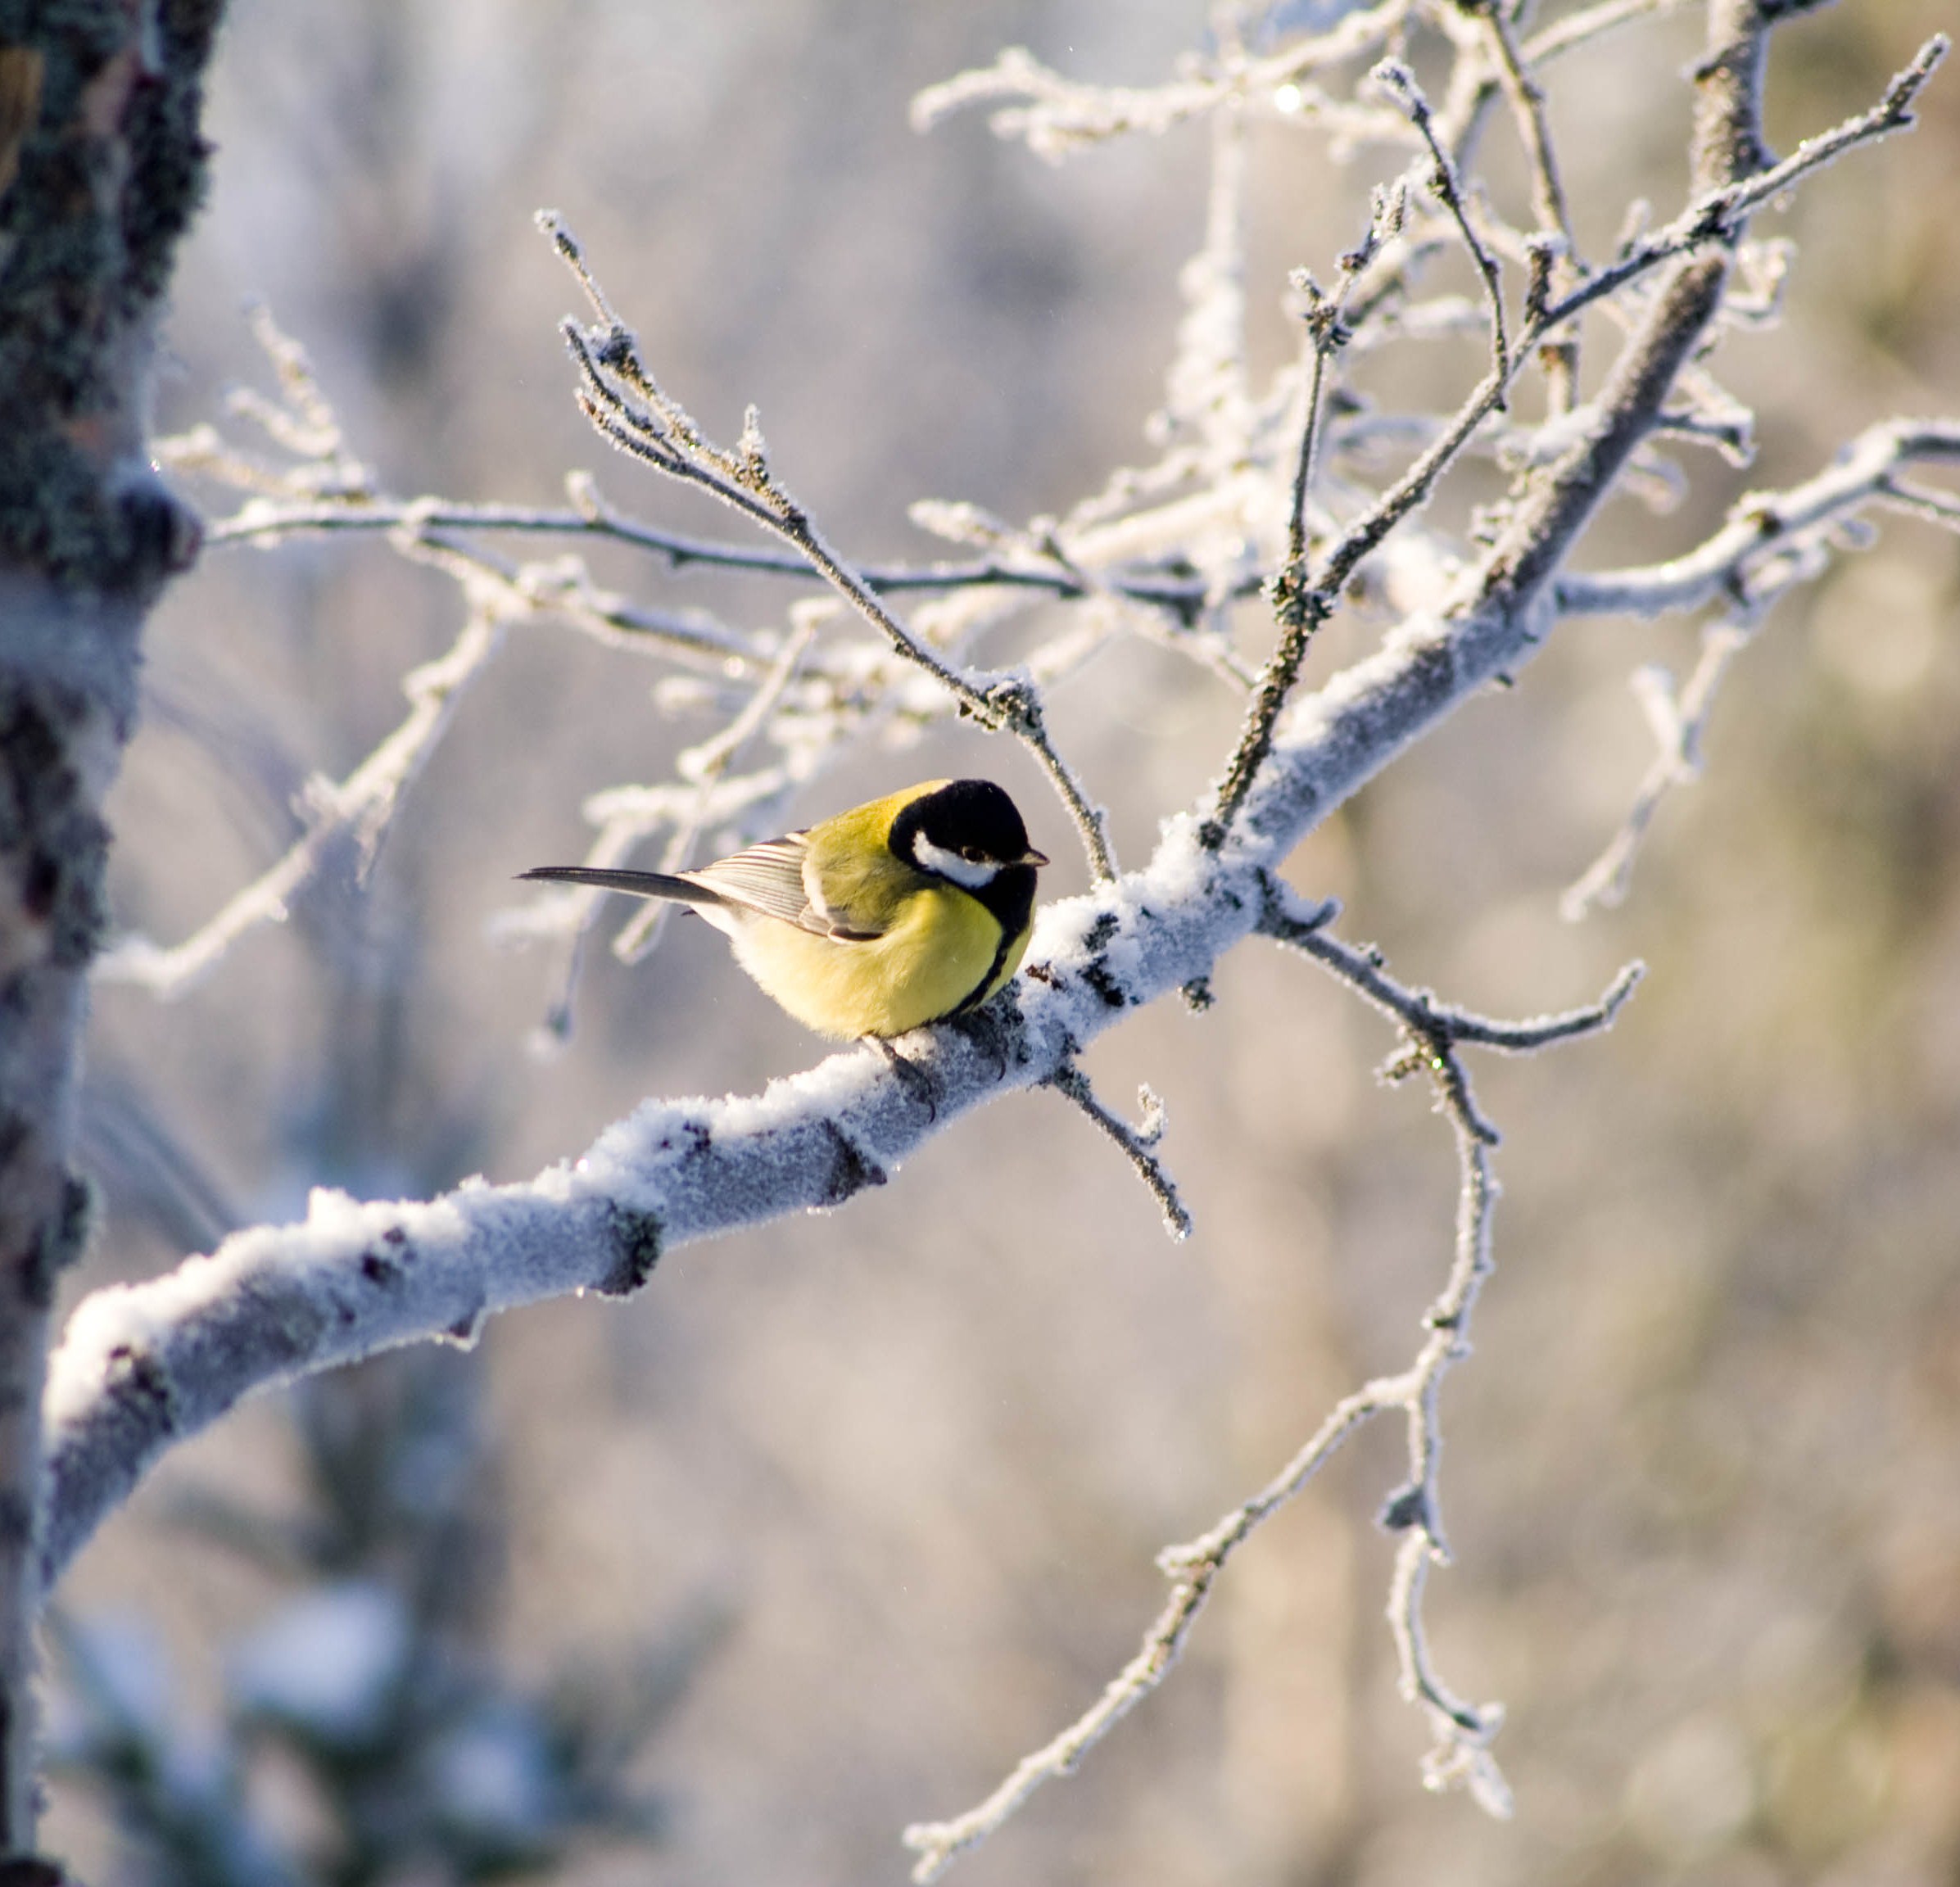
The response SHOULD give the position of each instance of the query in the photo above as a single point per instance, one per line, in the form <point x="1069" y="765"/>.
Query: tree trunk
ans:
<point x="101" y="167"/>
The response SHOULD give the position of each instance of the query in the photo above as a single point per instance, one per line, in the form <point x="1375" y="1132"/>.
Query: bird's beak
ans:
<point x="1031" y="857"/>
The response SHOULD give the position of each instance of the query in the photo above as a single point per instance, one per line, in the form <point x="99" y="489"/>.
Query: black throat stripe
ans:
<point x="1010" y="898"/>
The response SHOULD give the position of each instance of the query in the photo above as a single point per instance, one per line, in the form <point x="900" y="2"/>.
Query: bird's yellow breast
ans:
<point x="927" y="965"/>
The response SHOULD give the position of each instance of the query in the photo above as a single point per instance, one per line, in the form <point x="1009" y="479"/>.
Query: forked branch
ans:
<point x="1464" y="1732"/>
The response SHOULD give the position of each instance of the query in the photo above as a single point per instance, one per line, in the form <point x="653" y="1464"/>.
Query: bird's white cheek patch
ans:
<point x="969" y="872"/>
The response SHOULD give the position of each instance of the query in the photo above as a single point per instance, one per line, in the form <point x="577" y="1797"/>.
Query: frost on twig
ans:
<point x="1719" y="215"/>
<point x="1397" y="82"/>
<point x="807" y="714"/>
<point x="1302" y="601"/>
<point x="1770" y="540"/>
<point x="1431" y="1031"/>
<point x="703" y="769"/>
<point x="320" y="467"/>
<point x="1137" y="1143"/>
<point x="1592" y="22"/>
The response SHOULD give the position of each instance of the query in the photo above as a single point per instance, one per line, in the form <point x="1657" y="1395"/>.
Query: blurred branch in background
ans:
<point x="373" y="1689"/>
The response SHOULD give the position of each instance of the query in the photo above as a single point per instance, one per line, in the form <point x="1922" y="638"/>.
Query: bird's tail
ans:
<point x="637" y="883"/>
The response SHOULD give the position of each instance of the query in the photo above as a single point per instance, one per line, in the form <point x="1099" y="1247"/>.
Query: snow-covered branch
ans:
<point x="142" y="1366"/>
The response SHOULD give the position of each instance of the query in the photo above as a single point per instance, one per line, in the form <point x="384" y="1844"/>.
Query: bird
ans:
<point x="875" y="921"/>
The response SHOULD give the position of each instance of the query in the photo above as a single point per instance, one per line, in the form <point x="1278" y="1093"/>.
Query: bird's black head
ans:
<point x="969" y="833"/>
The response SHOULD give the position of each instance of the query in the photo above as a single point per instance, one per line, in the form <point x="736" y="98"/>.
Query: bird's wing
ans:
<point x="769" y="877"/>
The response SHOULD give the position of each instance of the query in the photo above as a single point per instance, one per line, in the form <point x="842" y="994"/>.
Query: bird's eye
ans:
<point x="971" y="854"/>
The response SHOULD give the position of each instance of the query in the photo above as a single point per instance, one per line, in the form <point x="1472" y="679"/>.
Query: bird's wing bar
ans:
<point x="766" y="877"/>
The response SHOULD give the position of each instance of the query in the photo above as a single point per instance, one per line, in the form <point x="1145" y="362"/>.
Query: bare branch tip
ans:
<point x="551" y="224"/>
<point x="1621" y="988"/>
<point x="1393" y="77"/>
<point x="1137" y="1143"/>
<point x="1922" y="67"/>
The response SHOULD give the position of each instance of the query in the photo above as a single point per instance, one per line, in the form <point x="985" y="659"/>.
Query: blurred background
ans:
<point x="819" y="1534"/>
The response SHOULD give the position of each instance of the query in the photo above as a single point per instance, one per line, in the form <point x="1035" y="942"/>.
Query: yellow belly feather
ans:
<point x="925" y="967"/>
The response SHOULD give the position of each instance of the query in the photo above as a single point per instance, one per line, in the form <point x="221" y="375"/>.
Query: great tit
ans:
<point x="876" y="920"/>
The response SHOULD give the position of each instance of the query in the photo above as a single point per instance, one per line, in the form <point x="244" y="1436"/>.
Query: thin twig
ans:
<point x="1302" y="601"/>
<point x="265" y="522"/>
<point x="628" y="406"/>
<point x="1555" y="257"/>
<point x="1395" y="78"/>
<point x="1460" y="1756"/>
<point x="1302" y="605"/>
<point x="1362" y="536"/>
<point x="1137" y="1143"/>
<point x="306" y="425"/>
<point x="1431" y="1030"/>
<point x="1064" y="116"/>
<point x="1926" y="501"/>
<point x="563" y="588"/>
<point x="702" y="768"/>
<point x="1527" y="100"/>
<point x="1191" y="1568"/>
<point x="1679" y="726"/>
<point x="1304" y="928"/>
<point x="1718" y="214"/>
